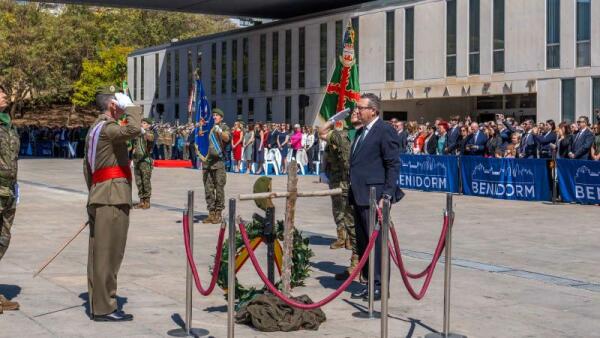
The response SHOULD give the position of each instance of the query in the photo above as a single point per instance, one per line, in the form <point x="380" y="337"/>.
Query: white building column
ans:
<point x="549" y="100"/>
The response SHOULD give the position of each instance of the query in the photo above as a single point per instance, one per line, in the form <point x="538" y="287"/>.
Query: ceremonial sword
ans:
<point x="63" y="247"/>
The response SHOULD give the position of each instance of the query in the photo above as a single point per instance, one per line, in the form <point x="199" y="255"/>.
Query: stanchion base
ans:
<point x="365" y="315"/>
<point x="192" y="333"/>
<point x="441" y="335"/>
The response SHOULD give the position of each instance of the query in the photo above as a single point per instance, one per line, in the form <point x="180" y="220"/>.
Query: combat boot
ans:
<point x="139" y="205"/>
<point x="146" y="204"/>
<point x="209" y="219"/>
<point x="7" y="305"/>
<point x="217" y="218"/>
<point x="341" y="239"/>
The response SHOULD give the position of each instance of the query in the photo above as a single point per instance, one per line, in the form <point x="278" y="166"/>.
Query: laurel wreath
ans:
<point x="301" y="254"/>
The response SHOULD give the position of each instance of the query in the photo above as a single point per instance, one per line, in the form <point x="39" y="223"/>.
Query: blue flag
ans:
<point x="204" y="118"/>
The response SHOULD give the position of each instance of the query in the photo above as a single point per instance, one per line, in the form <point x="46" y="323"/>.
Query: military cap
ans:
<point x="148" y="120"/>
<point x="218" y="112"/>
<point x="107" y="90"/>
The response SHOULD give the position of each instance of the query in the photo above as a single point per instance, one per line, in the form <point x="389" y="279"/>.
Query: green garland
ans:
<point x="301" y="254"/>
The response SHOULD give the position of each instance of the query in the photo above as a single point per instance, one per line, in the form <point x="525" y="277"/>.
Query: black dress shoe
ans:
<point x="360" y="294"/>
<point x="376" y="295"/>
<point x="117" y="316"/>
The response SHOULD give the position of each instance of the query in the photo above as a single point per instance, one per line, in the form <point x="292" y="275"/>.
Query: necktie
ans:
<point x="360" y="139"/>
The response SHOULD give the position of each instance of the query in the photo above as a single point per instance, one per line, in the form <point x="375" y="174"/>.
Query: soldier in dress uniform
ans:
<point x="9" y="190"/>
<point x="108" y="177"/>
<point x="142" y="164"/>
<point x="213" y="168"/>
<point x="337" y="157"/>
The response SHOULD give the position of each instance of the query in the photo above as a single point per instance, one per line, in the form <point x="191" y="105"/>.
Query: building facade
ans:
<point x="428" y="58"/>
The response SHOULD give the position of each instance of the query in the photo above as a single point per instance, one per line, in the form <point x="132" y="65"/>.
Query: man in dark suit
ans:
<point x="402" y="137"/>
<point x="529" y="145"/>
<point x="374" y="162"/>
<point x="546" y="139"/>
<point x="582" y="141"/>
<point x="476" y="144"/>
<point x="453" y="142"/>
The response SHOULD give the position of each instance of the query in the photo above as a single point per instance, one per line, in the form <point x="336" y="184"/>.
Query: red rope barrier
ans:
<point x="192" y="263"/>
<point x="296" y="304"/>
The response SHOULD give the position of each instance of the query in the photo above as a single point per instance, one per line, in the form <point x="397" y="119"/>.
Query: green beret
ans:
<point x="148" y="120"/>
<point x="107" y="90"/>
<point x="218" y="112"/>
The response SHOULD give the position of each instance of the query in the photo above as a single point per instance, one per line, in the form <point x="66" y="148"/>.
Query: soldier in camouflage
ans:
<point x="9" y="154"/>
<point x="337" y="158"/>
<point x="213" y="168"/>
<point x="142" y="164"/>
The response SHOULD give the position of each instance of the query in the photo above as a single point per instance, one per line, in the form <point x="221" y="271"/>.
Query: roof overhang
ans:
<point x="272" y="9"/>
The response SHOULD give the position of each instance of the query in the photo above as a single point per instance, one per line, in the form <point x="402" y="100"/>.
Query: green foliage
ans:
<point x="46" y="56"/>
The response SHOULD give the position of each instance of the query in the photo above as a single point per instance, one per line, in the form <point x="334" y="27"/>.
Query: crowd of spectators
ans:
<point x="503" y="138"/>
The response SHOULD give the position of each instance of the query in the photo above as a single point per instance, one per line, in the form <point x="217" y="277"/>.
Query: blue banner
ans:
<point x="579" y="181"/>
<point x="429" y="173"/>
<point x="204" y="118"/>
<point x="506" y="178"/>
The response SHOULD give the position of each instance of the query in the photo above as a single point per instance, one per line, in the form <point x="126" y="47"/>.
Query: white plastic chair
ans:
<point x="272" y="157"/>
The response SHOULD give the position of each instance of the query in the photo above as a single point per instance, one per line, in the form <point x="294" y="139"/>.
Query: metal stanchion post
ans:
<point x="385" y="267"/>
<point x="447" y="274"/>
<point x="231" y="271"/>
<point x="187" y="330"/>
<point x="371" y="286"/>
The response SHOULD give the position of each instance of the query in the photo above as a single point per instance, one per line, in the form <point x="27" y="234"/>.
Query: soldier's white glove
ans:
<point x="218" y="129"/>
<point x="123" y="101"/>
<point x="143" y="131"/>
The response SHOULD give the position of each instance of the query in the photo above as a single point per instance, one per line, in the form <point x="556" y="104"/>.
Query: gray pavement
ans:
<point x="521" y="269"/>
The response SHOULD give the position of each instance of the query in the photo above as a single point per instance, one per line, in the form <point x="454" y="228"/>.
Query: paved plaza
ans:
<point x="520" y="269"/>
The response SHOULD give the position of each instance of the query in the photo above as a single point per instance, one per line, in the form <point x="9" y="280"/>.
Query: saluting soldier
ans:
<point x="9" y="154"/>
<point x="142" y="163"/>
<point x="337" y="157"/>
<point x="108" y="176"/>
<point x="213" y="168"/>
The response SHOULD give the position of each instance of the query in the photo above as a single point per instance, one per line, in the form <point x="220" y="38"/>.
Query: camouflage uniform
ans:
<point x="9" y="154"/>
<point x="142" y="167"/>
<point x="185" y="133"/>
<point x="337" y="153"/>
<point x="214" y="175"/>
<point x="167" y="136"/>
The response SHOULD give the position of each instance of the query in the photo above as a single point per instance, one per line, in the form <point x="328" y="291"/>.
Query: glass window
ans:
<point x="596" y="100"/>
<point x="135" y="72"/>
<point x="553" y="34"/>
<point x="301" y="57"/>
<point x="498" y="17"/>
<point x="301" y="111"/>
<point x="240" y="112"/>
<point x="339" y="36"/>
<point x="234" y="66"/>
<point x="409" y="41"/>
<point x="176" y="111"/>
<point x="250" y="110"/>
<point x="389" y="46"/>
<point x="169" y="74"/>
<point x="177" y="69"/>
<point x="275" y="62"/>
<point x="288" y="109"/>
<point x="245" y="65"/>
<point x="568" y="100"/>
<point x="263" y="62"/>
<point x="142" y="67"/>
<point x="288" y="59"/>
<point x="356" y="27"/>
<point x="156" y="76"/>
<point x="323" y="54"/>
<point x="269" y="109"/>
<point x="473" y="36"/>
<point x="224" y="67"/>
<point x="583" y="33"/>
<point x="451" y="38"/>
<point x="213" y="69"/>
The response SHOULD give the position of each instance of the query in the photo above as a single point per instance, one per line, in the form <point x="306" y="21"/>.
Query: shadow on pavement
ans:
<point x="86" y="299"/>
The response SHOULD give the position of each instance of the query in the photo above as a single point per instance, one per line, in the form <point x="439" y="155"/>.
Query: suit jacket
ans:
<point x="453" y="141"/>
<point x="431" y="145"/>
<point x="403" y="141"/>
<point x="582" y="143"/>
<point x="375" y="162"/>
<point x="477" y="142"/>
<point x="112" y="151"/>
<point x="528" y="147"/>
<point x="544" y="142"/>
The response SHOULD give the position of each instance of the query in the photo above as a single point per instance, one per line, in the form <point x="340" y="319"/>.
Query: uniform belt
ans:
<point x="109" y="173"/>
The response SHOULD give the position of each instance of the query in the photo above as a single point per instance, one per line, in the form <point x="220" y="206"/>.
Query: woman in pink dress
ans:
<point x="238" y="136"/>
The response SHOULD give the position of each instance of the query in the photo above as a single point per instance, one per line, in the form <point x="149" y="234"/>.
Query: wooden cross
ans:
<point x="291" y="195"/>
